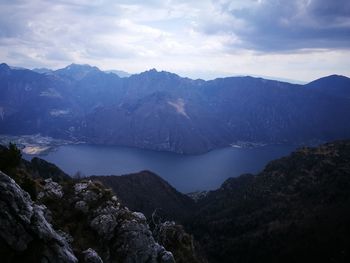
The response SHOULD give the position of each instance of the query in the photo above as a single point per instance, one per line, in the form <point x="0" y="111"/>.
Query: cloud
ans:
<point x="95" y="30"/>
<point x="203" y="38"/>
<point x="277" y="26"/>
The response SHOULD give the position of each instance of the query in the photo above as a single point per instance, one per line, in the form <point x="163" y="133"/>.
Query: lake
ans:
<point x="186" y="173"/>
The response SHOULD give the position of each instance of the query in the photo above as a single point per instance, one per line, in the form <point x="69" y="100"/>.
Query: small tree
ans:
<point x="10" y="158"/>
<point x="78" y="175"/>
<point x="15" y="154"/>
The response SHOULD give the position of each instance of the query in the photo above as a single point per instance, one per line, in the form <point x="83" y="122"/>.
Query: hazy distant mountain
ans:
<point x="42" y="70"/>
<point x="119" y="73"/>
<point x="333" y="85"/>
<point x="162" y="111"/>
<point x="76" y="71"/>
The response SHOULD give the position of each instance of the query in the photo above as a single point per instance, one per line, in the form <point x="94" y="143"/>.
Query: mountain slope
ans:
<point x="147" y="192"/>
<point x="333" y="85"/>
<point x="296" y="209"/>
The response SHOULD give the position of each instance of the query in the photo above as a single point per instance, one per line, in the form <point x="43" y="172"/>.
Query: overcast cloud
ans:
<point x="300" y="39"/>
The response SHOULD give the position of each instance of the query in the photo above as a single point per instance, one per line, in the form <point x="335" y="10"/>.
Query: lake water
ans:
<point x="186" y="173"/>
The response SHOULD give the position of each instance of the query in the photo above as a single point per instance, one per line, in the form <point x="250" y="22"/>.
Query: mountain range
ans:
<point x="163" y="111"/>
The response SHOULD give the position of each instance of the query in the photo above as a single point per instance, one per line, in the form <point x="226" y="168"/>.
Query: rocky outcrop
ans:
<point x="90" y="219"/>
<point x="122" y="235"/>
<point x="51" y="189"/>
<point x="90" y="256"/>
<point x="175" y="238"/>
<point x="25" y="234"/>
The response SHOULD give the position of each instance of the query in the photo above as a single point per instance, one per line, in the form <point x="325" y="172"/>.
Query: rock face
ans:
<point x="122" y="235"/>
<point x="50" y="189"/>
<point x="90" y="256"/>
<point x="174" y="237"/>
<point x="25" y="234"/>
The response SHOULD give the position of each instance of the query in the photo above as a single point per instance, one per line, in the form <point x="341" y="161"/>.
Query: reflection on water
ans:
<point x="185" y="172"/>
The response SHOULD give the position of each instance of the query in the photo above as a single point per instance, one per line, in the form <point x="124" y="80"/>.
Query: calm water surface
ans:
<point x="185" y="172"/>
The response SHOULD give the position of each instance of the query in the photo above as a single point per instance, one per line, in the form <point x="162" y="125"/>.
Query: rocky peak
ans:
<point x="4" y="69"/>
<point x="76" y="71"/>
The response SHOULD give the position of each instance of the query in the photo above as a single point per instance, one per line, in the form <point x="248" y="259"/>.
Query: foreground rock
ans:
<point x="25" y="234"/>
<point x="175" y="238"/>
<point x="91" y="220"/>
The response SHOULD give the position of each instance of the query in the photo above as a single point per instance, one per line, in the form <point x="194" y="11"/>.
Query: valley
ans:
<point x="187" y="173"/>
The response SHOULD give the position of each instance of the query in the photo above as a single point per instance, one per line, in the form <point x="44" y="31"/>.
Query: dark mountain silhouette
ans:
<point x="296" y="209"/>
<point x="149" y="193"/>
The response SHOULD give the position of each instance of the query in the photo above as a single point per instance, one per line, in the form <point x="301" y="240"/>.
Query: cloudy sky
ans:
<point x="290" y="39"/>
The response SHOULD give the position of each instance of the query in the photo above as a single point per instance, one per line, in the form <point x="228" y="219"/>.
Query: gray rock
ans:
<point x="22" y="223"/>
<point x="90" y="256"/>
<point x="82" y="206"/>
<point x="139" y="216"/>
<point x="51" y="190"/>
<point x="79" y="187"/>
<point x="136" y="244"/>
<point x="121" y="235"/>
<point x="126" y="236"/>
<point x="104" y="225"/>
<point x="83" y="192"/>
<point x="167" y="257"/>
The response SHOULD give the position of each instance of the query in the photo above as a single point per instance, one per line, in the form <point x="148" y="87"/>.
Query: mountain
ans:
<point x="163" y="111"/>
<point x="296" y="209"/>
<point x="149" y="193"/>
<point x="42" y="70"/>
<point x="76" y="71"/>
<point x="119" y="73"/>
<point x="333" y="85"/>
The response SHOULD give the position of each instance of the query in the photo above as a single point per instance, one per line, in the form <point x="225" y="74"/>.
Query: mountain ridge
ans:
<point x="147" y="192"/>
<point x="162" y="111"/>
<point x="296" y="209"/>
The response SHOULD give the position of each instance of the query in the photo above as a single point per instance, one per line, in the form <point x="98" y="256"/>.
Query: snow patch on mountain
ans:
<point x="58" y="112"/>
